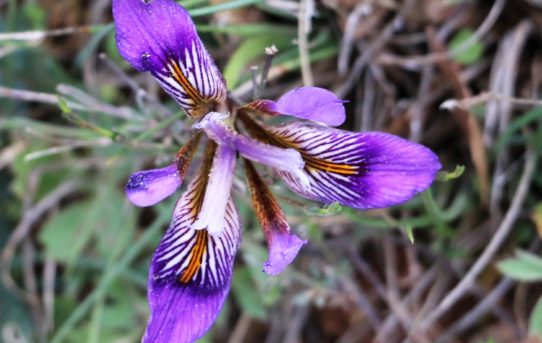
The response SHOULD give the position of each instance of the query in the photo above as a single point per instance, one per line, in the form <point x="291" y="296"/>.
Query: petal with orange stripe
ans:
<point x="361" y="170"/>
<point x="160" y="37"/>
<point x="191" y="270"/>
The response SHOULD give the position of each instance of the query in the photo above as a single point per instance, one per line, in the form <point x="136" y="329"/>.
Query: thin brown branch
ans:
<point x="491" y="249"/>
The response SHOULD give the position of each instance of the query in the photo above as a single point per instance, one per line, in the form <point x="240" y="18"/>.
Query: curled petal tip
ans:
<point x="148" y="187"/>
<point x="283" y="248"/>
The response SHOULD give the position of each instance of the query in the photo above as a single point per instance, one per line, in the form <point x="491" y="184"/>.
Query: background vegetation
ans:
<point x="460" y="263"/>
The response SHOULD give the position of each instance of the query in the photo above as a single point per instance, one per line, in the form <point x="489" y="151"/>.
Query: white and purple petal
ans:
<point x="191" y="271"/>
<point x="160" y="37"/>
<point x="311" y="103"/>
<point x="211" y="216"/>
<point x="360" y="170"/>
<point x="287" y="160"/>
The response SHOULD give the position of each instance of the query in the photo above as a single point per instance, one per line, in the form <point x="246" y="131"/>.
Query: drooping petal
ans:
<point x="360" y="170"/>
<point x="191" y="271"/>
<point x="283" y="248"/>
<point x="148" y="187"/>
<point x="283" y="245"/>
<point x="159" y="36"/>
<point x="312" y="103"/>
<point x="288" y="160"/>
<point x="217" y="193"/>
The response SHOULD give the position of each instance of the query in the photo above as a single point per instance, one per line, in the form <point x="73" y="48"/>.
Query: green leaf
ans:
<point x="516" y="125"/>
<point x="469" y="53"/>
<point x="247" y="294"/>
<point x="524" y="267"/>
<point x="63" y="104"/>
<point x="15" y="315"/>
<point x="249" y="30"/>
<point x="66" y="234"/>
<point x="227" y="5"/>
<point x="535" y="322"/>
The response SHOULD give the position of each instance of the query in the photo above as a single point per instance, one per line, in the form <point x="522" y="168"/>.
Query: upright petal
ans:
<point x="283" y="245"/>
<point x="148" y="187"/>
<point x="217" y="193"/>
<point x="191" y="271"/>
<point x="159" y="36"/>
<point x="312" y="103"/>
<point x="287" y="160"/>
<point x="360" y="170"/>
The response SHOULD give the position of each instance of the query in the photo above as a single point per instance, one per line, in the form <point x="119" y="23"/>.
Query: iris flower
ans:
<point x="191" y="270"/>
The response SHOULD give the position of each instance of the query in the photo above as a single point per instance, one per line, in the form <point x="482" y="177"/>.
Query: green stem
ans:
<point x="163" y="124"/>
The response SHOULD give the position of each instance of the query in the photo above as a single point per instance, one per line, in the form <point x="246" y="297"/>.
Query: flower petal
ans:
<point x="283" y="249"/>
<point x="148" y="187"/>
<point x="360" y="170"/>
<point x="287" y="160"/>
<point x="191" y="271"/>
<point x="312" y="103"/>
<point x="283" y="245"/>
<point x="159" y="36"/>
<point x="217" y="193"/>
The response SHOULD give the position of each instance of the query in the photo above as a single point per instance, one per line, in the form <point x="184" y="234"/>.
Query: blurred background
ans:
<point x="459" y="263"/>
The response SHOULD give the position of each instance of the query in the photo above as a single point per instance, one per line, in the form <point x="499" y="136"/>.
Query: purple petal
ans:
<point x="159" y="36"/>
<point x="311" y="103"/>
<point x="283" y="248"/>
<point x="287" y="160"/>
<point x="148" y="187"/>
<point x="191" y="271"/>
<point x="211" y="216"/>
<point x="181" y="314"/>
<point x="360" y="170"/>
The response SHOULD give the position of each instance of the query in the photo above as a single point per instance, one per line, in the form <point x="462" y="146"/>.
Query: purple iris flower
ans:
<point x="191" y="270"/>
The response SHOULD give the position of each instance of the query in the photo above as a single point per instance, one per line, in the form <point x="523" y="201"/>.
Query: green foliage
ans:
<point x="14" y="314"/>
<point x="535" y="321"/>
<point x="465" y="48"/>
<point x="66" y="234"/>
<point x="524" y="267"/>
<point x="102" y="245"/>
<point x="247" y="294"/>
<point x="512" y="134"/>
